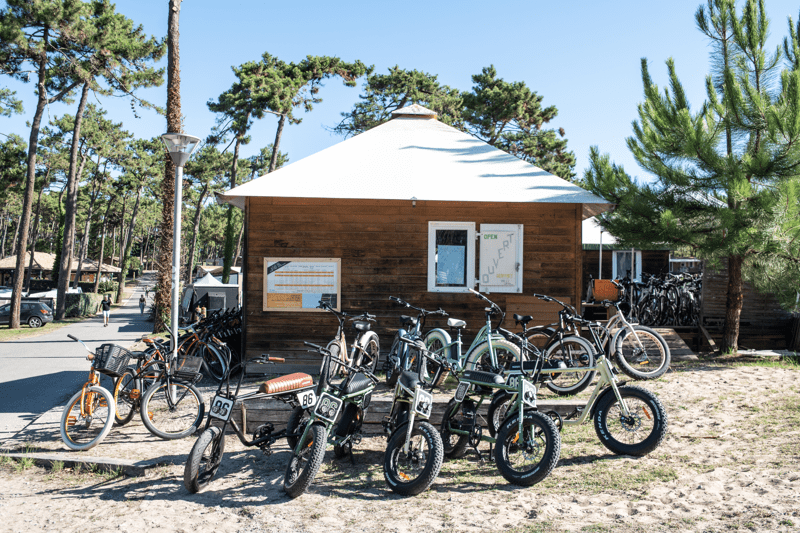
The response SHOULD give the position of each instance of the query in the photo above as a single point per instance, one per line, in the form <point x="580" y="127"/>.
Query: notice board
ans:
<point x="298" y="284"/>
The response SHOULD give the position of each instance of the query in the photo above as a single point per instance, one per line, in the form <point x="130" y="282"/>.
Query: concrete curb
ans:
<point x="102" y="464"/>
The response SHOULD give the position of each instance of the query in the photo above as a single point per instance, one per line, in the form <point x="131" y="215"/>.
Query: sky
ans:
<point x="581" y="56"/>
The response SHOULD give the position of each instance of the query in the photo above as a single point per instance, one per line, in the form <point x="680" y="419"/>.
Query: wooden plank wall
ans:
<point x="763" y="324"/>
<point x="383" y="246"/>
<point x="653" y="262"/>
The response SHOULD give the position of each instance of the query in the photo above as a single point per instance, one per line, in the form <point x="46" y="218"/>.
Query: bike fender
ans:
<point x="364" y="340"/>
<point x="444" y="333"/>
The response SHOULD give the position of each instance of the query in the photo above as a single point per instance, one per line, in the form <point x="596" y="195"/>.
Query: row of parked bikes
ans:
<point x="500" y="368"/>
<point x="663" y="300"/>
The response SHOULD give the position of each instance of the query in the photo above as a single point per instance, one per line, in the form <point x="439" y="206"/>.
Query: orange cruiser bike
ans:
<point x="89" y="414"/>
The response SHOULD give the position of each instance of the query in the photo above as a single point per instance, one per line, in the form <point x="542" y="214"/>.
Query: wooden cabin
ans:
<point x="412" y="208"/>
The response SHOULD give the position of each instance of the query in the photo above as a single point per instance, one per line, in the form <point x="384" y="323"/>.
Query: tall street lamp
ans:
<point x="180" y="147"/>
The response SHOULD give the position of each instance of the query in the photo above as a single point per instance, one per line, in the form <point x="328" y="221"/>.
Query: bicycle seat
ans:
<point x="483" y="377"/>
<point x="287" y="383"/>
<point x="358" y="383"/>
<point x="361" y="326"/>
<point x="405" y="319"/>
<point x="523" y="319"/>
<point x="409" y="379"/>
<point x="456" y="323"/>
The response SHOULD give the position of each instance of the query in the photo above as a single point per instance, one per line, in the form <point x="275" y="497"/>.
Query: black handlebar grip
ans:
<point x="71" y="337"/>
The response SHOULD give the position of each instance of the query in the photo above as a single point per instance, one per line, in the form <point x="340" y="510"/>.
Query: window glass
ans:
<point x="451" y="258"/>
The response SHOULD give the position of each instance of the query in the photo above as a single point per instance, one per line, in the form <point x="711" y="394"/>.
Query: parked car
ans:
<point x="35" y="314"/>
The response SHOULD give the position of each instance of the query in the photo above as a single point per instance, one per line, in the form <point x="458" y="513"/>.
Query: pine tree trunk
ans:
<point x="33" y="240"/>
<point x="102" y="249"/>
<point x="733" y="305"/>
<point x="273" y="161"/>
<point x="126" y="249"/>
<point x="228" y="253"/>
<point x="30" y="183"/>
<point x="5" y="227"/>
<point x="16" y="234"/>
<point x="70" y="209"/>
<point x="162" y="301"/>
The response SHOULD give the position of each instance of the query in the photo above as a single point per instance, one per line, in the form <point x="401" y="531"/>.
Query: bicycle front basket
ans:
<point x="187" y="368"/>
<point x="111" y="360"/>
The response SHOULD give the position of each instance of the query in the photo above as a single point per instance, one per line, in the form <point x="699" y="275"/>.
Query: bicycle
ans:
<point x="88" y="415"/>
<point x="527" y="447"/>
<point x="641" y="352"/>
<point x="414" y="449"/>
<point x="628" y="420"/>
<point x="365" y="350"/>
<point x="489" y="351"/>
<point x="341" y="405"/>
<point x="173" y="408"/>
<point x="205" y="458"/>
<point x="130" y="386"/>
<point x="401" y="358"/>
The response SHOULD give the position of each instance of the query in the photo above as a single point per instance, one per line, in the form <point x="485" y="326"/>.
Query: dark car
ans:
<point x="35" y="314"/>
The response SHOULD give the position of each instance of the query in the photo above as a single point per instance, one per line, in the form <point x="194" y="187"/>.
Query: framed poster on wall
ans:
<point x="298" y="284"/>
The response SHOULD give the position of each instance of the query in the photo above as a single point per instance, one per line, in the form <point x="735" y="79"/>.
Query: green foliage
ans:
<point x="507" y="115"/>
<point x="13" y="154"/>
<point x="107" y="287"/>
<point x="726" y="174"/>
<point x="8" y="104"/>
<point x="85" y="304"/>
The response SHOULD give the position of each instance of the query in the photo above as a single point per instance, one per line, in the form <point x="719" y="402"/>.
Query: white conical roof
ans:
<point x="208" y="279"/>
<point x="420" y="158"/>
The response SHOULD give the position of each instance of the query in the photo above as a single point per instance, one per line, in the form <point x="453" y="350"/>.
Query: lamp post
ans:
<point x="180" y="147"/>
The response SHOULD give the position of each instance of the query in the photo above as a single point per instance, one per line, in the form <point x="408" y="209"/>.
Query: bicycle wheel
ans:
<point x="298" y="419"/>
<point x="648" y="361"/>
<point x="84" y="431"/>
<point x="368" y="358"/>
<point x="501" y="402"/>
<point x="455" y="445"/>
<point x="528" y="458"/>
<point x="480" y="357"/>
<point x="540" y="337"/>
<point x="303" y="466"/>
<point x="204" y="460"/>
<point x="393" y="363"/>
<point x="435" y="340"/>
<point x="410" y="473"/>
<point x="126" y="397"/>
<point x="215" y="364"/>
<point x="575" y="352"/>
<point x="637" y="434"/>
<point x="172" y="415"/>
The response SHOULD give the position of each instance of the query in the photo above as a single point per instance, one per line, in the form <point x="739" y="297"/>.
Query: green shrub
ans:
<point x="82" y="304"/>
<point x="108" y="286"/>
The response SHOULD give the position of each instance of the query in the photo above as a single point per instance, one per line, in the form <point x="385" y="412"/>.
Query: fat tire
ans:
<point x="559" y="351"/>
<point x="214" y="362"/>
<point x="431" y="339"/>
<point x="542" y="425"/>
<point x="392" y="372"/>
<point x="433" y="460"/>
<point x="500" y="399"/>
<point x="105" y="427"/>
<point x="295" y="485"/>
<point x="476" y="357"/>
<point x="648" y="336"/>
<point x="298" y="418"/>
<point x="193" y="479"/>
<point x="644" y="446"/>
<point x="453" y="446"/>
<point x="192" y="419"/>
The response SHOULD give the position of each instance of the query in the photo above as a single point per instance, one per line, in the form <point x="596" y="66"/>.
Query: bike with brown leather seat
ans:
<point x="204" y="460"/>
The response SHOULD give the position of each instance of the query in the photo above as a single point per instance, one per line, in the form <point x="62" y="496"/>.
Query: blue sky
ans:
<point x="581" y="56"/>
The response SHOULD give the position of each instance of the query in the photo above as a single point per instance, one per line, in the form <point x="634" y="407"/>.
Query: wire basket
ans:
<point x="187" y="368"/>
<point x="111" y="360"/>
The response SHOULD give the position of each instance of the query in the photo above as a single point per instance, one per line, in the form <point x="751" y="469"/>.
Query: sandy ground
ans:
<point x="731" y="461"/>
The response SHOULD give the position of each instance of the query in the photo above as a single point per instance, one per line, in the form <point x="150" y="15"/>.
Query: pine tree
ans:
<point x="726" y="173"/>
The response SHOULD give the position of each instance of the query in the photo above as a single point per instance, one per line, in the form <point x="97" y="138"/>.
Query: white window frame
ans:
<point x="637" y="263"/>
<point x="470" y="266"/>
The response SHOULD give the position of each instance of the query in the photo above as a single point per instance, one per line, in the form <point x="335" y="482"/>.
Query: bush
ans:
<point x="108" y="286"/>
<point x="86" y="304"/>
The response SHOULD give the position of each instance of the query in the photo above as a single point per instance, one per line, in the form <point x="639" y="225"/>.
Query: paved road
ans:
<point x="39" y="373"/>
